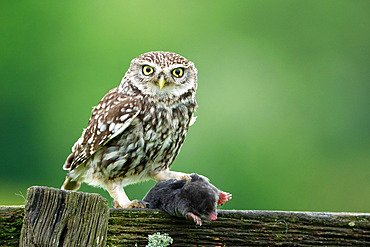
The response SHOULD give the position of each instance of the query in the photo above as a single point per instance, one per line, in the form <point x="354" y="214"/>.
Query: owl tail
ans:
<point x="71" y="185"/>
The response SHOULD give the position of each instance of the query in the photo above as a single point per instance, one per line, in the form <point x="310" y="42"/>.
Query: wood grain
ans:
<point x="54" y="217"/>
<point x="243" y="228"/>
<point x="59" y="218"/>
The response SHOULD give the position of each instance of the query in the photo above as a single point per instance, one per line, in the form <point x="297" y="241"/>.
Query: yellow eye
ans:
<point x="178" y="72"/>
<point x="147" y="70"/>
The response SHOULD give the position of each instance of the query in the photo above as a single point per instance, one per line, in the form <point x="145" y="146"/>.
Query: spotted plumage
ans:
<point x="138" y="128"/>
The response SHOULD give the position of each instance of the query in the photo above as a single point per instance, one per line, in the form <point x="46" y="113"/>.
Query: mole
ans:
<point x="195" y="199"/>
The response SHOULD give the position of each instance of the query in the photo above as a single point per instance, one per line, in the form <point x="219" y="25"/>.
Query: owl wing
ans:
<point x="109" y="118"/>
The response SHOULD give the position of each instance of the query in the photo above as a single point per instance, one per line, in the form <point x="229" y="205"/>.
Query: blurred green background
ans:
<point x="284" y="86"/>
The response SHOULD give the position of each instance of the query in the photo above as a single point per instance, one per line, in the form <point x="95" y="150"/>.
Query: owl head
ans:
<point x="161" y="75"/>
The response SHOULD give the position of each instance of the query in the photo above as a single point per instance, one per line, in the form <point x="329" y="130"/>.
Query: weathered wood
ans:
<point x="54" y="210"/>
<point x="59" y="218"/>
<point x="243" y="228"/>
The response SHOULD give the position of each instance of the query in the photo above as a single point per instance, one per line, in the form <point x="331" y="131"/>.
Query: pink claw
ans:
<point x="196" y="219"/>
<point x="223" y="198"/>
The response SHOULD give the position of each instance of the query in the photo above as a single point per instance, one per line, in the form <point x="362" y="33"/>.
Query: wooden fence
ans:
<point x="52" y="217"/>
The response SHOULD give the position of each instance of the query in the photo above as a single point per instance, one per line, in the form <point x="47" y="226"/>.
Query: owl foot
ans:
<point x="138" y="204"/>
<point x="185" y="177"/>
<point x="132" y="204"/>
<point x="115" y="204"/>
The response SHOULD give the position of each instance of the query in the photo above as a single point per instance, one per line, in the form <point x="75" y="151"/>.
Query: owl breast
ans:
<point x="147" y="146"/>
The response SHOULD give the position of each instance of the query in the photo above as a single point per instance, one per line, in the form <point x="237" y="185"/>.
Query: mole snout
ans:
<point x="213" y="216"/>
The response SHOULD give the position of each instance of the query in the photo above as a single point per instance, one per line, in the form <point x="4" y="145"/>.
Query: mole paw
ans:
<point x="223" y="198"/>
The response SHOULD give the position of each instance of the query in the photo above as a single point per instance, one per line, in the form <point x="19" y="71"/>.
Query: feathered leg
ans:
<point x="120" y="198"/>
<point x="167" y="174"/>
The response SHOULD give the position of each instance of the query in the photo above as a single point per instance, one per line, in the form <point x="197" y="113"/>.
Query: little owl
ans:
<point x="137" y="129"/>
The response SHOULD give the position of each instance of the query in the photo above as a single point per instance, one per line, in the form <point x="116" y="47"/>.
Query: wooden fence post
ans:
<point x="62" y="218"/>
<point x="54" y="217"/>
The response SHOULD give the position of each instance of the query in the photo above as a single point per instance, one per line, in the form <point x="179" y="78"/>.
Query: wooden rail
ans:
<point x="53" y="217"/>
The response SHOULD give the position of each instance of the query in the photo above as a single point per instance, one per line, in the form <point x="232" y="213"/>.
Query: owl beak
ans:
<point x="161" y="82"/>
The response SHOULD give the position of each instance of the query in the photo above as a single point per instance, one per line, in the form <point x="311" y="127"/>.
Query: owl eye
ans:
<point x="147" y="70"/>
<point x="178" y="72"/>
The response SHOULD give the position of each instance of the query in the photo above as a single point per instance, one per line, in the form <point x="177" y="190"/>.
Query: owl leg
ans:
<point x="120" y="198"/>
<point x="167" y="174"/>
<point x="118" y="194"/>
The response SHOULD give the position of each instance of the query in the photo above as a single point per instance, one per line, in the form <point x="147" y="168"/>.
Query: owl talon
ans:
<point x="115" y="204"/>
<point x="132" y="204"/>
<point x="138" y="204"/>
<point x="186" y="177"/>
